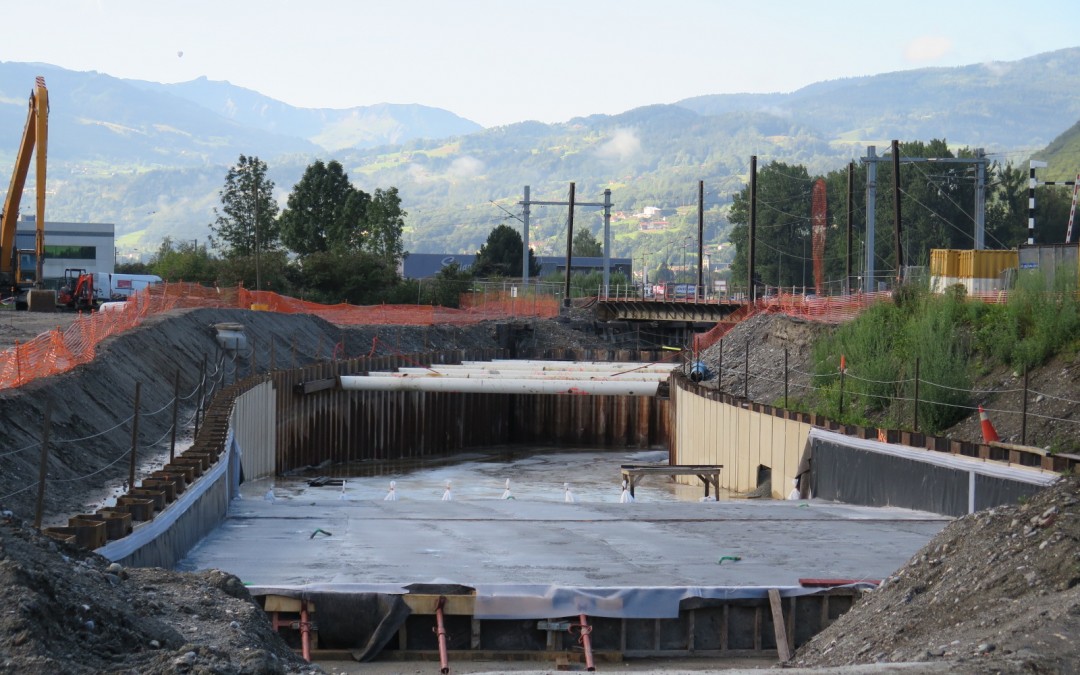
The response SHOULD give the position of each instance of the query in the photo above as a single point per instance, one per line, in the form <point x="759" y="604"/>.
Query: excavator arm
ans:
<point x="36" y="133"/>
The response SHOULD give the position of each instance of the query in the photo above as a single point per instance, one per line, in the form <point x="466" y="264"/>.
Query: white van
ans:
<point x="121" y="286"/>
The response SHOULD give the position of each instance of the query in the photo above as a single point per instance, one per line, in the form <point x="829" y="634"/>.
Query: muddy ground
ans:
<point x="994" y="592"/>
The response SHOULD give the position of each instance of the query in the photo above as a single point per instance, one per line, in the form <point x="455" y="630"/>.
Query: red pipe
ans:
<point x="444" y="661"/>
<point x="305" y="631"/>
<point x="586" y="642"/>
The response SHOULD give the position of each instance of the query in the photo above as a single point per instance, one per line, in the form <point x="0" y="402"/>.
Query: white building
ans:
<point x="86" y="246"/>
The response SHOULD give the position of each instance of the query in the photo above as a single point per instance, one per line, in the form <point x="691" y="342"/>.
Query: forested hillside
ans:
<point x="151" y="158"/>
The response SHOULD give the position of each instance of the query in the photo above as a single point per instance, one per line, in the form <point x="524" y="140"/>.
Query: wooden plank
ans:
<point x="281" y="603"/>
<point x="456" y="605"/>
<point x="782" y="648"/>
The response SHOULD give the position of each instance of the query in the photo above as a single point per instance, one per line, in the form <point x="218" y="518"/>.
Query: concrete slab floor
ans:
<point x="580" y="544"/>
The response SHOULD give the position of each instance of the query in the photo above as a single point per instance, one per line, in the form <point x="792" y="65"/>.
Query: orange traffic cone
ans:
<point x="989" y="433"/>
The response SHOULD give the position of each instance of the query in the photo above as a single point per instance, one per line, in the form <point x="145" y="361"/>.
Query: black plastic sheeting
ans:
<point x="840" y="471"/>
<point x="362" y="623"/>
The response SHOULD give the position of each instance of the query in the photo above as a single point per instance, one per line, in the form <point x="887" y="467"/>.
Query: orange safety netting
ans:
<point x="829" y="309"/>
<point x="59" y="350"/>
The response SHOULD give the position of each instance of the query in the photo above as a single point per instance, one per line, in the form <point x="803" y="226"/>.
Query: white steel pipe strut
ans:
<point x="499" y="386"/>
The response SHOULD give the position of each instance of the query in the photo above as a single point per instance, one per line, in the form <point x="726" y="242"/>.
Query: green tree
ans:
<point x="447" y="286"/>
<point x="384" y="224"/>
<point x="500" y="256"/>
<point x="246" y="224"/>
<point x="783" y="228"/>
<point x="184" y="261"/>
<point x="586" y="245"/>
<point x="355" y="277"/>
<point x="324" y="212"/>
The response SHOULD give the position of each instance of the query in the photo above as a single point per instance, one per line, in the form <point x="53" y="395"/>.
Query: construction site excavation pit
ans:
<point x="371" y="559"/>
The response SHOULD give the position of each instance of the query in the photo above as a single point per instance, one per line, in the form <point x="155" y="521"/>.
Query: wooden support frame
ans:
<point x="709" y="474"/>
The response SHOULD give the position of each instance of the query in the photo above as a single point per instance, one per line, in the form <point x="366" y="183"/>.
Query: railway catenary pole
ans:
<point x="700" y="238"/>
<point x="526" y="203"/>
<point x="871" y="160"/>
<point x="1032" y="183"/>
<point x="1032" y="165"/>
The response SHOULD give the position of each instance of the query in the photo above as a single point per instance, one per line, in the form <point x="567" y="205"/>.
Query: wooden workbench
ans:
<point x="708" y="473"/>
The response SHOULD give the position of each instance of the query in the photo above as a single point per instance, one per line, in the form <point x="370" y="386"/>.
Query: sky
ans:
<point x="498" y="62"/>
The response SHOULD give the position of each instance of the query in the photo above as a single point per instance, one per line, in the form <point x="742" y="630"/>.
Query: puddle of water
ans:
<point x="536" y="474"/>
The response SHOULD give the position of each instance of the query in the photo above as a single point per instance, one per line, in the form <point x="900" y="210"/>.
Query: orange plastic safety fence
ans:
<point x="703" y="341"/>
<point x="58" y="350"/>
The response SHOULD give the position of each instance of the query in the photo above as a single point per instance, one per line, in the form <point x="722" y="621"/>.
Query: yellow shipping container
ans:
<point x="985" y="264"/>
<point x="944" y="262"/>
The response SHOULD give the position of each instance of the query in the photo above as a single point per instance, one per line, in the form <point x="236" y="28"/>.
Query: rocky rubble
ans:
<point x="995" y="591"/>
<point x="71" y="611"/>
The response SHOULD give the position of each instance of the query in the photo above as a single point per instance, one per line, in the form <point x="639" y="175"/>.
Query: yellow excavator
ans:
<point x="21" y="278"/>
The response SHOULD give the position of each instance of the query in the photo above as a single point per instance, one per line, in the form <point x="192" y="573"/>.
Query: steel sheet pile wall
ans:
<point x="253" y="421"/>
<point x="342" y="426"/>
<point x="711" y="427"/>
<point x="715" y="428"/>
<point x="599" y="421"/>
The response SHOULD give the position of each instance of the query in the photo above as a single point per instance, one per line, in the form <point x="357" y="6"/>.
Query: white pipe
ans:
<point x="489" y="386"/>
<point x="569" y="365"/>
<point x="522" y="374"/>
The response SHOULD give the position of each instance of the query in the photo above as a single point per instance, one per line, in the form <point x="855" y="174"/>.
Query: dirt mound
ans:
<point x="998" y="590"/>
<point x="69" y="611"/>
<point x="766" y="336"/>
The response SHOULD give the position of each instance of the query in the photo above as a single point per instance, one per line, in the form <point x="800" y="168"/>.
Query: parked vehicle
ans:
<point x="121" y="286"/>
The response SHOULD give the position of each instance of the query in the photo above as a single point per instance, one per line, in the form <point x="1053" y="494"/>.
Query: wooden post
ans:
<point x="134" y="436"/>
<point x="779" y="628"/>
<point x="915" y="426"/>
<point x="175" y="407"/>
<point x="1023" y="415"/>
<point x="202" y="391"/>
<point x="719" y="366"/>
<point x="841" y="414"/>
<point x="40" y="511"/>
<point x="746" y="373"/>
<point x="785" y="378"/>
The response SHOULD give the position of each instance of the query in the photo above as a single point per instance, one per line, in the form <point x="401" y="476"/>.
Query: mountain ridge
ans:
<point x="151" y="157"/>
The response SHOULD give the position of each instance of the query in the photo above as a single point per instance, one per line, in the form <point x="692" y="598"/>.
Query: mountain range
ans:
<point x="151" y="157"/>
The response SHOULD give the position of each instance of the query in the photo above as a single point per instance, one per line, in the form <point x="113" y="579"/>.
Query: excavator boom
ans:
<point x="35" y="134"/>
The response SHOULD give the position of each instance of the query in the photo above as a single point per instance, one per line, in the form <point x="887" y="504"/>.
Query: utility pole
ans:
<point x="258" y="277"/>
<point x="850" y="221"/>
<point x="871" y="160"/>
<point x="525" y="241"/>
<point x="752" y="232"/>
<point x="569" y="246"/>
<point x="896" y="210"/>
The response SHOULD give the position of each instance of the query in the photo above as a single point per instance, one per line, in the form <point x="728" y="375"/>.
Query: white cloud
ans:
<point x="419" y="174"/>
<point x="466" y="167"/>
<point x="927" y="48"/>
<point x="623" y="145"/>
